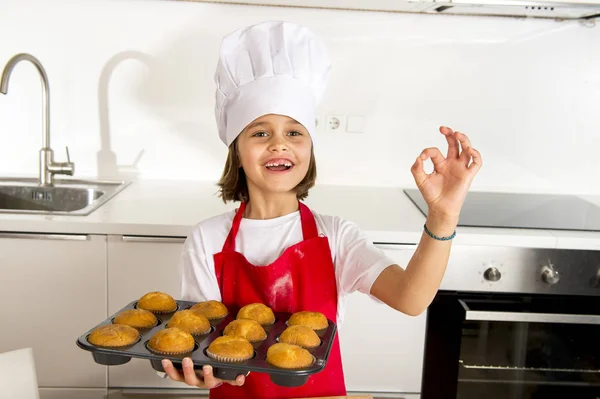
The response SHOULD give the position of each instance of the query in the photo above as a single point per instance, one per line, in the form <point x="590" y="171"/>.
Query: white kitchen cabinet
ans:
<point x="137" y="265"/>
<point x="382" y="349"/>
<point x="52" y="290"/>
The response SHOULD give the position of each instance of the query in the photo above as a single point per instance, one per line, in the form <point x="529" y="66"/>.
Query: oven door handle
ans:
<point x="526" y="317"/>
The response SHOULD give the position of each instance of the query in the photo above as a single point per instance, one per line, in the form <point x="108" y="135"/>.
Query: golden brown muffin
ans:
<point x="171" y="341"/>
<point x="114" y="336"/>
<point x="303" y="336"/>
<point x="212" y="310"/>
<point x="136" y="318"/>
<point x="257" y="311"/>
<point x="157" y="302"/>
<point x="314" y="320"/>
<point x="246" y="328"/>
<point x="190" y="321"/>
<point x="287" y="356"/>
<point x="229" y="348"/>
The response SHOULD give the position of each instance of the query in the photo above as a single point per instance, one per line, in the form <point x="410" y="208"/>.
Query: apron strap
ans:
<point x="307" y="219"/>
<point x="229" y="244"/>
<point x="309" y="226"/>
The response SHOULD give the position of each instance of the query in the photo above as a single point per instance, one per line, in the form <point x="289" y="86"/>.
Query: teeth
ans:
<point x="288" y="164"/>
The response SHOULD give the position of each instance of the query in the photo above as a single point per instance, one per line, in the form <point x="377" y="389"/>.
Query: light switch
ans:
<point x="355" y="124"/>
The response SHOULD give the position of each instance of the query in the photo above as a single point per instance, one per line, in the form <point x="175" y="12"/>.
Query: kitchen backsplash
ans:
<point x="132" y="91"/>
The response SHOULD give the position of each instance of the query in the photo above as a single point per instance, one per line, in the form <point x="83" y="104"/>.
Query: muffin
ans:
<point x="246" y="328"/>
<point x="287" y="356"/>
<point x="114" y="336"/>
<point x="190" y="321"/>
<point x="157" y="302"/>
<point x="136" y="318"/>
<point x="229" y="348"/>
<point x="300" y="335"/>
<point x="212" y="310"/>
<point x="257" y="311"/>
<point x="315" y="320"/>
<point x="171" y="341"/>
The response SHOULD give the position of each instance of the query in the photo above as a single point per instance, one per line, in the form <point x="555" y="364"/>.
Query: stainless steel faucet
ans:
<point x="48" y="168"/>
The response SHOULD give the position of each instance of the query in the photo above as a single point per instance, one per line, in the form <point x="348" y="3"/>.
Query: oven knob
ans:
<point x="492" y="274"/>
<point x="549" y="275"/>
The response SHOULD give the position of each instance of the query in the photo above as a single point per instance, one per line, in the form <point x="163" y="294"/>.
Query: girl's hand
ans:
<point x="202" y="379"/>
<point x="445" y="189"/>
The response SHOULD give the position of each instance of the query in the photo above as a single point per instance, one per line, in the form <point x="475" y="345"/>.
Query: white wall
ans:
<point x="134" y="80"/>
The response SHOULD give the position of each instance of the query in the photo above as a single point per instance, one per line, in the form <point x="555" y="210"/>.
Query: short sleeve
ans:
<point x="358" y="261"/>
<point x="198" y="279"/>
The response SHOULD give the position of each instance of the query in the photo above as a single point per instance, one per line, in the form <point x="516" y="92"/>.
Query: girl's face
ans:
<point x="274" y="151"/>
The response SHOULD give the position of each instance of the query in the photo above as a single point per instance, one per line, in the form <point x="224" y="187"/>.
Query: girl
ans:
<point x="273" y="249"/>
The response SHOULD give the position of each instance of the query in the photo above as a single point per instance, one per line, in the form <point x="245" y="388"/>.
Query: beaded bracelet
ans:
<point x="430" y="234"/>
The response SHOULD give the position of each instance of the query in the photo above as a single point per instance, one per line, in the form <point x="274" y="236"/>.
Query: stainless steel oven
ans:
<point x="517" y="323"/>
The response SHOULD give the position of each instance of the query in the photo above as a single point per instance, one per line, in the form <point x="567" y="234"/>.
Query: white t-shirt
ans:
<point x="357" y="261"/>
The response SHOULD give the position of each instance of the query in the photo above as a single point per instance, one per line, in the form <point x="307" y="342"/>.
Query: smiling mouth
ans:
<point x="279" y="166"/>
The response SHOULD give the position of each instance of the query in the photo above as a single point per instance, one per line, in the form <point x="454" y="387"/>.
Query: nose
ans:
<point x="277" y="143"/>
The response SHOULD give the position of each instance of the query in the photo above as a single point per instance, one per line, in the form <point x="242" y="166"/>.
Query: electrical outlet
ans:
<point x="335" y="123"/>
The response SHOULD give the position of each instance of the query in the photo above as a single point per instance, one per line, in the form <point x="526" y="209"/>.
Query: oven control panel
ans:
<point x="523" y="270"/>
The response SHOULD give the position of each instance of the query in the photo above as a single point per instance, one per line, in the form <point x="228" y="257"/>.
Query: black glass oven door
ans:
<point x="518" y="347"/>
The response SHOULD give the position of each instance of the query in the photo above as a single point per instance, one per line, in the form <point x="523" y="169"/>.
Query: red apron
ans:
<point x="302" y="278"/>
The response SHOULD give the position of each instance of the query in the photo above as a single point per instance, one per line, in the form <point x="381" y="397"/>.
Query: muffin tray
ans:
<point x="222" y="370"/>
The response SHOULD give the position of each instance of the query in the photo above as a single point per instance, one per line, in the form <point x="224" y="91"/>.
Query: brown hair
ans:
<point x="234" y="187"/>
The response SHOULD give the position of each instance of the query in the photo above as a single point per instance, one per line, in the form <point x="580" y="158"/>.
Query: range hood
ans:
<point x="563" y="9"/>
<point x="519" y="8"/>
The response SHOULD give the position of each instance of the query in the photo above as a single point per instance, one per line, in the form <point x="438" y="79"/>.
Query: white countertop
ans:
<point x="172" y="208"/>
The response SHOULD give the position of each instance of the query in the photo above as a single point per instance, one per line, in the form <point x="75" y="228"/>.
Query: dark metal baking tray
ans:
<point x="222" y="370"/>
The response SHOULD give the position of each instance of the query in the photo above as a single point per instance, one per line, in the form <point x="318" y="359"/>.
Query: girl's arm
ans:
<point x="411" y="290"/>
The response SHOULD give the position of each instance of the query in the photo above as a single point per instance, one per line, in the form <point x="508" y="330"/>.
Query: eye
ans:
<point x="259" y="134"/>
<point x="295" y="133"/>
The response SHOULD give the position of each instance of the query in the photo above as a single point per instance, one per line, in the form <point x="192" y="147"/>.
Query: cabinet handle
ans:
<point x="163" y="392"/>
<point x="42" y="236"/>
<point x="177" y="240"/>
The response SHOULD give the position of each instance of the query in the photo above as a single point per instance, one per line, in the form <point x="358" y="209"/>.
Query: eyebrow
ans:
<point x="257" y="124"/>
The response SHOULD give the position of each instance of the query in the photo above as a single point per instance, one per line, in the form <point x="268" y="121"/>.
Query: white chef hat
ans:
<point x="273" y="67"/>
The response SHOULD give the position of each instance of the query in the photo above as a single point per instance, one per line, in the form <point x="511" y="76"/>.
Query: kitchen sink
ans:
<point x="64" y="197"/>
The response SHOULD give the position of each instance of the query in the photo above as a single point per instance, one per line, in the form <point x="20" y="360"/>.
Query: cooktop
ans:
<point x="522" y="210"/>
